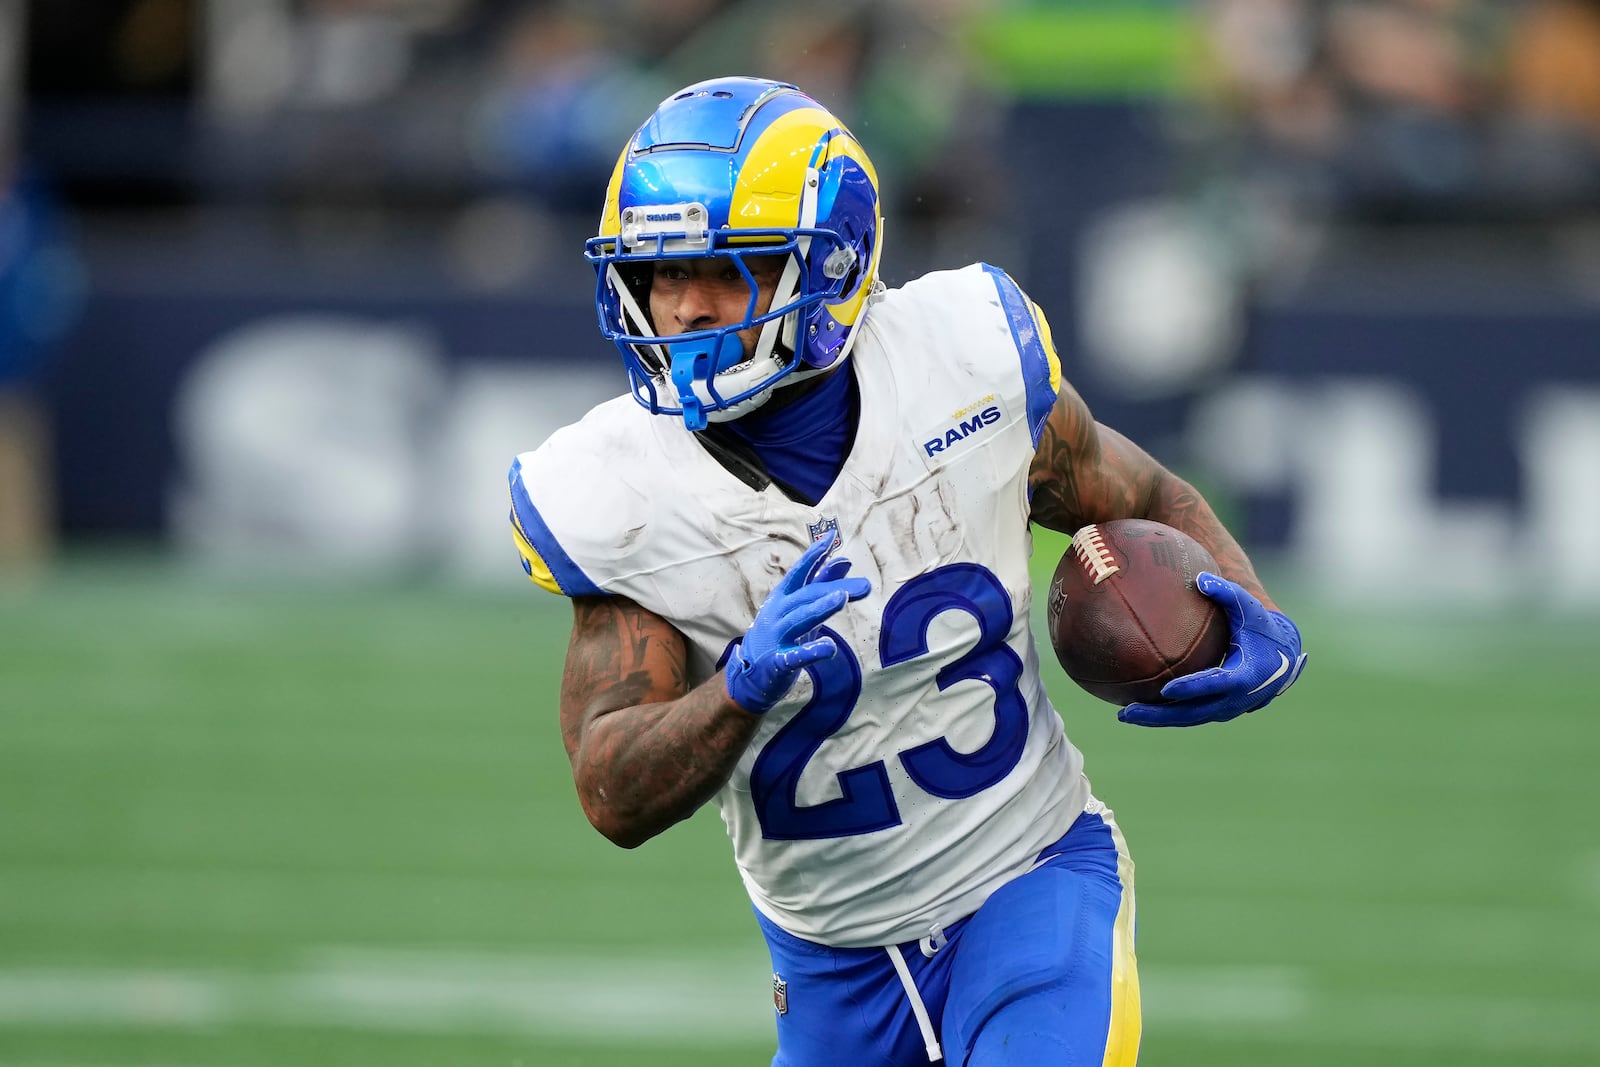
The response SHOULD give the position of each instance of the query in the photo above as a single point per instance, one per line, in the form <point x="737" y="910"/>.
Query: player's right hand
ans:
<point x="779" y="644"/>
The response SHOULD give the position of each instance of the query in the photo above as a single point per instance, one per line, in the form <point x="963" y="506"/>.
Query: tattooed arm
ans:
<point x="1086" y="472"/>
<point x="646" y="749"/>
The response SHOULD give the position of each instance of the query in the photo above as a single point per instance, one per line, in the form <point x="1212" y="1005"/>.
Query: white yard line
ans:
<point x="704" y="1001"/>
<point x="1222" y="996"/>
<point x="650" y="1001"/>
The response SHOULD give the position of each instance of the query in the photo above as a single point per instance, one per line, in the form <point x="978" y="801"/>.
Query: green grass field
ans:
<point x="290" y="824"/>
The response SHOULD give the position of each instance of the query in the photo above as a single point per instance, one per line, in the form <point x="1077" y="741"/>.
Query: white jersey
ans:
<point x="905" y="779"/>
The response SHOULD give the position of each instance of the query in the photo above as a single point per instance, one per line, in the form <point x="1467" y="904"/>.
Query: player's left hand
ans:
<point x="783" y="640"/>
<point x="1263" y="660"/>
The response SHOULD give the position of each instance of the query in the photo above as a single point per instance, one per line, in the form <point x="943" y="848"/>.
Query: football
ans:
<point x="1124" y="615"/>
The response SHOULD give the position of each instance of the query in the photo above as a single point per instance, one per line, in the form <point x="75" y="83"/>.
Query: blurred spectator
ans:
<point x="1553" y="67"/>
<point x="561" y="95"/>
<point x="416" y="104"/>
<point x="40" y="289"/>
<point x="1414" y="109"/>
<point x="899" y="74"/>
<point x="1552" y="98"/>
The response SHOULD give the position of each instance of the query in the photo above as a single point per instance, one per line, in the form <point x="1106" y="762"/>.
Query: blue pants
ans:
<point x="1042" y="974"/>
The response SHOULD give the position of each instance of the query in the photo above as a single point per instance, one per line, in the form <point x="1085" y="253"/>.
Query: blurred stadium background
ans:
<point x="284" y="284"/>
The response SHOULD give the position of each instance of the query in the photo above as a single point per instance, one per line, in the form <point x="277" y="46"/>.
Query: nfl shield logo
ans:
<point x="819" y="530"/>
<point x="780" y="994"/>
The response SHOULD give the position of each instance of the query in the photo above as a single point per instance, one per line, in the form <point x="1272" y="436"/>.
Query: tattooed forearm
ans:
<point x="646" y="750"/>
<point x="645" y="768"/>
<point x="1084" y="472"/>
<point x="1177" y="503"/>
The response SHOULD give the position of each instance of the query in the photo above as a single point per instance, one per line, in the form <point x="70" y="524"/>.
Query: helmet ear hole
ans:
<point x="851" y="280"/>
<point x="864" y="255"/>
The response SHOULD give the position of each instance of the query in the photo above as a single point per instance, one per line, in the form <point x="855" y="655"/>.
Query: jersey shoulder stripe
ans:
<point x="543" y="558"/>
<point x="1041" y="367"/>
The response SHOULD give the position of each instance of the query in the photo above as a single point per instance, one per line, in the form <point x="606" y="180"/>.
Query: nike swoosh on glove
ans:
<point x="1263" y="660"/>
<point x="781" y="641"/>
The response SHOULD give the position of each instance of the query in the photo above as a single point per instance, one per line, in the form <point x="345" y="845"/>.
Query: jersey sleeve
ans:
<point x="1035" y="349"/>
<point x="544" y="560"/>
<point x="583" y="505"/>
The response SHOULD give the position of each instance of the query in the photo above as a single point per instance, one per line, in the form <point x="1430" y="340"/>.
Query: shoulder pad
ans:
<point x="543" y="558"/>
<point x="1030" y="332"/>
<point x="576" y="512"/>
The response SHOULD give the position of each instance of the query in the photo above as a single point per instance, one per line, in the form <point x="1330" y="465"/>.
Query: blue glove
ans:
<point x="779" y="644"/>
<point x="1263" y="660"/>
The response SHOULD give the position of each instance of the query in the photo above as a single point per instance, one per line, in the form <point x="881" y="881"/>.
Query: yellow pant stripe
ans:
<point x="1122" y="1041"/>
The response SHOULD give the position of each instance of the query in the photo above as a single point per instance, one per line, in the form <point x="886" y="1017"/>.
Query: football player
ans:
<point x="797" y="553"/>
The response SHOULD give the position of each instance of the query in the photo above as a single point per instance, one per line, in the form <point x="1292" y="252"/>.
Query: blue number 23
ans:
<point x="866" y="802"/>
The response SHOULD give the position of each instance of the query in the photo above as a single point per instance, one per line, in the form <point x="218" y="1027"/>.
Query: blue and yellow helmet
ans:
<point x="730" y="168"/>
